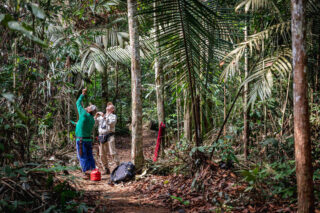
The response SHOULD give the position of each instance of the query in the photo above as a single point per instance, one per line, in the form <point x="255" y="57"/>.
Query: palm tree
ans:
<point x="184" y="41"/>
<point x="274" y="60"/>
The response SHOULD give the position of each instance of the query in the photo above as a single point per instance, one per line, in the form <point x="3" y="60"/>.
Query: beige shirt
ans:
<point x="107" y="123"/>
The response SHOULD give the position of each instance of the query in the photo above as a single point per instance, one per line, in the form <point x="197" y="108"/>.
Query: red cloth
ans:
<point x="160" y="134"/>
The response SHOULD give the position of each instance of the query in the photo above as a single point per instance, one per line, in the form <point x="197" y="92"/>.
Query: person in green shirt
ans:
<point x="84" y="127"/>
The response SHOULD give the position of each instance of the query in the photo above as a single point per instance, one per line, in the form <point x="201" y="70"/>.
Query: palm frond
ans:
<point x="95" y="57"/>
<point x="184" y="36"/>
<point x="255" y="42"/>
<point x="255" y="5"/>
<point x="262" y="77"/>
<point x="184" y="33"/>
<point x="313" y="8"/>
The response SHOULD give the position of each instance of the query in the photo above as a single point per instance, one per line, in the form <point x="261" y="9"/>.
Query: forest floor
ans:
<point x="119" y="197"/>
<point x="222" y="190"/>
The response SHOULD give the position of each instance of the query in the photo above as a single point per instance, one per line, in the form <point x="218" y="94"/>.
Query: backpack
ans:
<point x="124" y="172"/>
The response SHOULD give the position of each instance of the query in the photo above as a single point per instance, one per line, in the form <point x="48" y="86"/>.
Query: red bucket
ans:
<point x="95" y="175"/>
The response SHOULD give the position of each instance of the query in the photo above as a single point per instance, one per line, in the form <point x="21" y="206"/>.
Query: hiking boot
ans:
<point x="85" y="176"/>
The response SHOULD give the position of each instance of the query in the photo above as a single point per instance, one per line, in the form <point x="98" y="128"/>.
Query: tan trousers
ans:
<point x="108" y="146"/>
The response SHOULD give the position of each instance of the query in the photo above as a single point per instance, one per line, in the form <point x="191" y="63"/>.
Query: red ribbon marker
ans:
<point x="159" y="139"/>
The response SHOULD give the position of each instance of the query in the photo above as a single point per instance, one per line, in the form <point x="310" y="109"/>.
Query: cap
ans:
<point x="92" y="108"/>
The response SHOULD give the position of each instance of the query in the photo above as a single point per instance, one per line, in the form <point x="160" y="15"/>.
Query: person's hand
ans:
<point x="84" y="91"/>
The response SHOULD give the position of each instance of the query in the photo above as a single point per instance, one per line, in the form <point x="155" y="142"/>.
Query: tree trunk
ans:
<point x="304" y="171"/>
<point x="137" y="143"/>
<point x="178" y="106"/>
<point x="159" y="81"/>
<point x="245" y="101"/>
<point x="116" y="96"/>
<point x="178" y="117"/>
<point x="104" y="84"/>
<point x="224" y="107"/>
<point x="187" y="118"/>
<point x="285" y="105"/>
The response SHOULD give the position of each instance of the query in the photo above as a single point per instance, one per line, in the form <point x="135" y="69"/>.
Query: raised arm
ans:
<point x="98" y="116"/>
<point x="79" y="101"/>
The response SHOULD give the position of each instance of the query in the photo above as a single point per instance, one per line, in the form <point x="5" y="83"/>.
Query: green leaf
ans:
<point x="21" y="115"/>
<point x="228" y="137"/>
<point x="255" y="171"/>
<point x="249" y="188"/>
<point x="21" y="172"/>
<point x="186" y="203"/>
<point x="5" y="18"/>
<point x="8" y="96"/>
<point x="50" y="208"/>
<point x="8" y="171"/>
<point x="177" y="198"/>
<point x="22" y="28"/>
<point x="201" y="149"/>
<point x="37" y="11"/>
<point x="82" y="208"/>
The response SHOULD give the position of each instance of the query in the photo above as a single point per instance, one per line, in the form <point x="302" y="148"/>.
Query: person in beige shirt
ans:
<point x="107" y="124"/>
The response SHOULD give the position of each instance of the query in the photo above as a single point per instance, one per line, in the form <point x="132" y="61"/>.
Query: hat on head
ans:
<point x="92" y="108"/>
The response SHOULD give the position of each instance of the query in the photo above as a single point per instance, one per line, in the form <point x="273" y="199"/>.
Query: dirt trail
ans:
<point x="122" y="197"/>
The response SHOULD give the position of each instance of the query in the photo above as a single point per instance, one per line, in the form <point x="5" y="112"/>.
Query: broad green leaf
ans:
<point x="37" y="11"/>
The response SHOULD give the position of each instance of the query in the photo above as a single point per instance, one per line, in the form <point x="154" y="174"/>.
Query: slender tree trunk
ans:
<point x="178" y="117"/>
<point x="67" y="67"/>
<point x="159" y="81"/>
<point x="304" y="170"/>
<point x="137" y="143"/>
<point x="116" y="96"/>
<point x="187" y="118"/>
<point x="285" y="105"/>
<point x="265" y="126"/>
<point x="318" y="65"/>
<point x="15" y="65"/>
<point x="224" y="108"/>
<point x="104" y="84"/>
<point x="265" y="121"/>
<point x="178" y="106"/>
<point x="245" y="101"/>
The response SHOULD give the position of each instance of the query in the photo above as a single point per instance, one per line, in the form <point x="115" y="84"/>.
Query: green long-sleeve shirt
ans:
<point x="86" y="121"/>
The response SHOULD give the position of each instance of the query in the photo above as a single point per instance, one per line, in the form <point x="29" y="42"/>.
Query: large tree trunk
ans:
<point x="300" y="107"/>
<point x="137" y="143"/>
